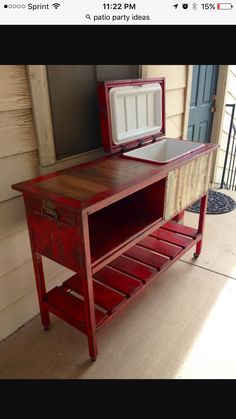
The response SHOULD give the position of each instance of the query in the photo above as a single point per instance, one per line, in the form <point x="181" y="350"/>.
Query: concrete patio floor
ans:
<point x="182" y="326"/>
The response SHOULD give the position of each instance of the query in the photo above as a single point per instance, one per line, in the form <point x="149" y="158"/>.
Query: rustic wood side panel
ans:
<point x="186" y="185"/>
<point x="170" y="193"/>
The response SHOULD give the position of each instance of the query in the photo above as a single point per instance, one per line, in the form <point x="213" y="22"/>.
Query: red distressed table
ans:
<point x="111" y="221"/>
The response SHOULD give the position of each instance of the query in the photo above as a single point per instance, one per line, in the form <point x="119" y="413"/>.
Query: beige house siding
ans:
<point x="176" y="83"/>
<point x="230" y="99"/>
<point x="19" y="161"/>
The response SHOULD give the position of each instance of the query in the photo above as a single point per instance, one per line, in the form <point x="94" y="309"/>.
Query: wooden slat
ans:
<point x="17" y="283"/>
<point x="18" y="313"/>
<point x="66" y="303"/>
<point x="73" y="185"/>
<point x="14" y="251"/>
<point x="174" y="126"/>
<point x="19" y="301"/>
<point x="175" y="74"/>
<point x="175" y="102"/>
<point x="103" y="296"/>
<point x="134" y="268"/>
<point x="178" y="228"/>
<point x="118" y="280"/>
<point x="147" y="256"/>
<point x="17" y="168"/>
<point x="14" y="88"/>
<point x="86" y="182"/>
<point x="16" y="132"/>
<point x="172" y="237"/>
<point x="12" y="217"/>
<point x="161" y="247"/>
<point x="171" y="185"/>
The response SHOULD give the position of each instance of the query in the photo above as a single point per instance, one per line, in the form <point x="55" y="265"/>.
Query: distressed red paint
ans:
<point x="104" y="220"/>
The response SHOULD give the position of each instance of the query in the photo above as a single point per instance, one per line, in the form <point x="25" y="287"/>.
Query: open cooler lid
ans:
<point x="131" y="112"/>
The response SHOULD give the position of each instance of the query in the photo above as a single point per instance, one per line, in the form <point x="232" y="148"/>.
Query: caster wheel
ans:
<point x="195" y="256"/>
<point x="46" y="328"/>
<point x="93" y="359"/>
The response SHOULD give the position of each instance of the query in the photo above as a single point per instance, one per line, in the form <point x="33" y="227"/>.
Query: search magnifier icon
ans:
<point x="88" y="16"/>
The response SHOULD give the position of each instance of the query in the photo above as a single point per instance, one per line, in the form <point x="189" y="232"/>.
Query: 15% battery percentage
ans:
<point x="218" y="6"/>
<point x="208" y="6"/>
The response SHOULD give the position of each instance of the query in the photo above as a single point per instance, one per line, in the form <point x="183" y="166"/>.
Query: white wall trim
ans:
<point x="217" y="125"/>
<point x="187" y="100"/>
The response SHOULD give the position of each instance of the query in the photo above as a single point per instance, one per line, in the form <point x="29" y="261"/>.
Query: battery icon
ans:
<point x="224" y="6"/>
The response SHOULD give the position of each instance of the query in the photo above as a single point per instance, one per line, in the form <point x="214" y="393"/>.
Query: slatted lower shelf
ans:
<point x="116" y="283"/>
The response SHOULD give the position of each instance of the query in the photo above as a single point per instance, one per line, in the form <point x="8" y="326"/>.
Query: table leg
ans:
<point x="179" y="218"/>
<point x="89" y="311"/>
<point x="39" y="275"/>
<point x="87" y="286"/>
<point x="41" y="289"/>
<point x="201" y="224"/>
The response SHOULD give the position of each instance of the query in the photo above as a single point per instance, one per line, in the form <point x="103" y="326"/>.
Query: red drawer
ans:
<point x="55" y="232"/>
<point x="51" y="210"/>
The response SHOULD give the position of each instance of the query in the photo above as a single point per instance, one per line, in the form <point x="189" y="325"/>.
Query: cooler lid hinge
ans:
<point x="123" y="148"/>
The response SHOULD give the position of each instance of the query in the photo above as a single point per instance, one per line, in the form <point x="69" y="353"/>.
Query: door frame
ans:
<point x="220" y="108"/>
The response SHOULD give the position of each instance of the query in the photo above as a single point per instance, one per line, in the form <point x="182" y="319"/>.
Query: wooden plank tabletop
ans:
<point x="91" y="183"/>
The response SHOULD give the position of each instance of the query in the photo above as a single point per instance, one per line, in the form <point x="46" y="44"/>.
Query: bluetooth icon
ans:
<point x="194" y="6"/>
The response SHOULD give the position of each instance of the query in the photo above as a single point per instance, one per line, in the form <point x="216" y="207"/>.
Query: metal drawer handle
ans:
<point x="49" y="209"/>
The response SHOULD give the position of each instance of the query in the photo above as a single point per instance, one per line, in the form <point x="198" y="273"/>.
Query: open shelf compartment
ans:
<point x="116" y="284"/>
<point x="125" y="220"/>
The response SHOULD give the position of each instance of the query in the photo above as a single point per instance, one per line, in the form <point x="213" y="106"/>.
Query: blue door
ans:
<point x="202" y="102"/>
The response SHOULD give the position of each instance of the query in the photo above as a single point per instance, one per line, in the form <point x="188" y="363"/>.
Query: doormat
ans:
<point x="218" y="203"/>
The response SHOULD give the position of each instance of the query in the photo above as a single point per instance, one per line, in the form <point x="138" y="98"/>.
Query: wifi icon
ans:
<point x="56" y="5"/>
